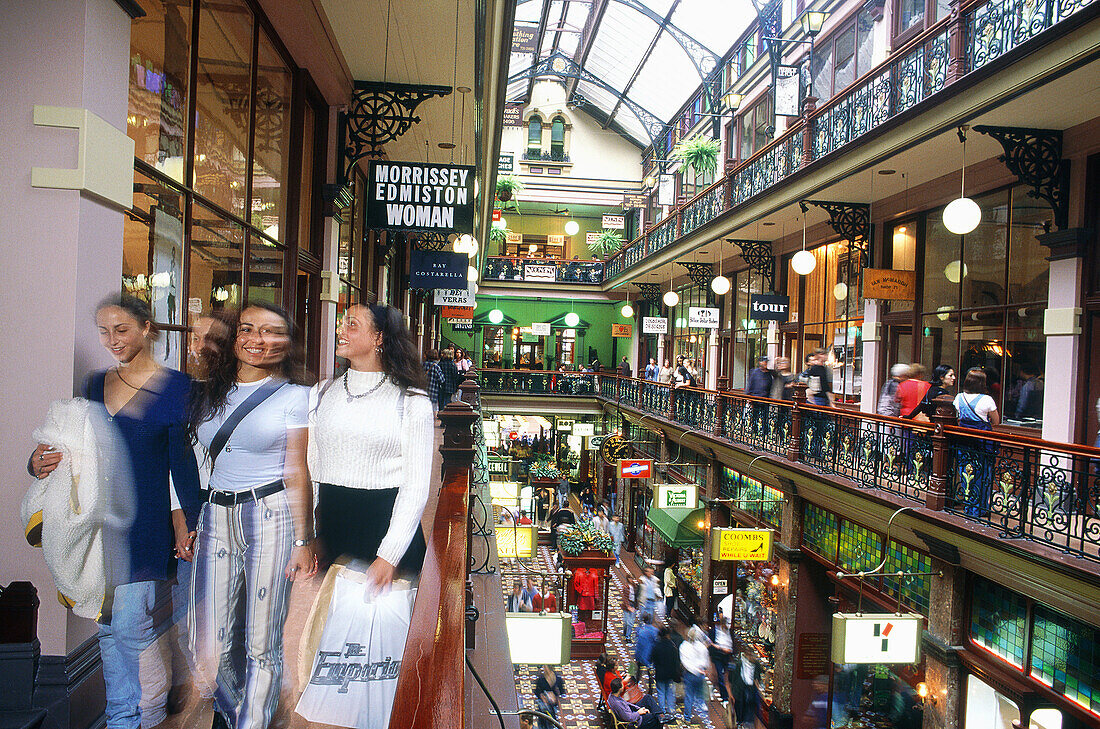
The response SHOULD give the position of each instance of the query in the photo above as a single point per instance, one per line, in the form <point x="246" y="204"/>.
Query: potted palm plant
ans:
<point x="607" y="243"/>
<point x="507" y="187"/>
<point x="498" y="235"/>
<point x="700" y="153"/>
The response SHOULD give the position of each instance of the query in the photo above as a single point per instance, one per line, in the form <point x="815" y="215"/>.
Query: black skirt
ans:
<point x="354" y="522"/>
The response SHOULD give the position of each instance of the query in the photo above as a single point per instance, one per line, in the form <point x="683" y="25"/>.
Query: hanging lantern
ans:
<point x="720" y="285"/>
<point x="803" y="262"/>
<point x="671" y="298"/>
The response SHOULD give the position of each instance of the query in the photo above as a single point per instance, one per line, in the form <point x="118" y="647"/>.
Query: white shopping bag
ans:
<point x="354" y="676"/>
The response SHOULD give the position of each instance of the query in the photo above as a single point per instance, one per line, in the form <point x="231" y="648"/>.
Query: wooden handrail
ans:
<point x="543" y="259"/>
<point x="431" y="690"/>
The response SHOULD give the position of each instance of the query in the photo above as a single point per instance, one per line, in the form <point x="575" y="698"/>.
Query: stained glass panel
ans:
<point x="914" y="591"/>
<point x="860" y="548"/>
<point x="998" y="621"/>
<point x="1065" y="655"/>
<point x="819" y="531"/>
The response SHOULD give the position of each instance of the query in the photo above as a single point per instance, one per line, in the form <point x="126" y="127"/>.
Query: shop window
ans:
<point x="755" y="128"/>
<point x="998" y="621"/>
<point x="987" y="707"/>
<point x="819" y="531"/>
<point x="159" y="74"/>
<point x="216" y="261"/>
<point x="567" y="346"/>
<point x="534" y="137"/>
<point x="271" y="147"/>
<point x="749" y="336"/>
<point x="1065" y="655"/>
<point x="492" y="352"/>
<point x="557" y="140"/>
<point x="843" y="57"/>
<point x="913" y="16"/>
<point x="902" y="256"/>
<point x="687" y="342"/>
<point x="692" y="183"/>
<point x="265" y="272"/>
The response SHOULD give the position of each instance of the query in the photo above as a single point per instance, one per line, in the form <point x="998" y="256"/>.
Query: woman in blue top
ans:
<point x="255" y="534"/>
<point x="147" y="404"/>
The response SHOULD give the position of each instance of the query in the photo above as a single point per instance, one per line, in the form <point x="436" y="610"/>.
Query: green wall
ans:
<point x="526" y="311"/>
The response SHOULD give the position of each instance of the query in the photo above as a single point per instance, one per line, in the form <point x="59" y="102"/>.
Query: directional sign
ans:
<point x="750" y="545"/>
<point x="676" y="495"/>
<point x="877" y="638"/>
<point x="637" y="468"/>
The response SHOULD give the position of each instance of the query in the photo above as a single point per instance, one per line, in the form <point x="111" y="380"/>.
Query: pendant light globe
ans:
<point x="962" y="216"/>
<point x="671" y="298"/>
<point x="803" y="263"/>
<point x="720" y="285"/>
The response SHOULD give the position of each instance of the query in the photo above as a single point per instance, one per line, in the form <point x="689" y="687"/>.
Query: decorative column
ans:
<point x="873" y="351"/>
<point x="787" y="560"/>
<point x="794" y="442"/>
<point x="1062" y="327"/>
<point x="935" y="496"/>
<point x="707" y="602"/>
<point x="945" y="634"/>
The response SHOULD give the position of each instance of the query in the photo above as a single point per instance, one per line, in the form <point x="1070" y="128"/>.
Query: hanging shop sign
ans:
<point x="563" y="426"/>
<point x="539" y="272"/>
<point x="538" y="640"/>
<point x="590" y="239"/>
<point x="555" y="240"/>
<point x="498" y="465"/>
<point x="516" y="541"/>
<point x="454" y="297"/>
<point x="703" y="317"/>
<point x="497" y="215"/>
<point x="457" y="312"/>
<point x="613" y="222"/>
<point x="654" y="325"/>
<point x="462" y="325"/>
<point x="525" y="37"/>
<point x="720" y="587"/>
<point x="584" y="429"/>
<point x="886" y="283"/>
<point x="769" y="307"/>
<point x="635" y="200"/>
<point x="877" y="637"/>
<point x="541" y="329"/>
<point x="437" y="269"/>
<point x="787" y="94"/>
<point x="513" y="115"/>
<point x="622" y="330"/>
<point x="596" y="441"/>
<point x="506" y="162"/>
<point x="666" y="190"/>
<point x="748" y="545"/>
<point x="504" y="493"/>
<point x="420" y="196"/>
<point x="514" y="238"/>
<point x="676" y="495"/>
<point x="636" y="468"/>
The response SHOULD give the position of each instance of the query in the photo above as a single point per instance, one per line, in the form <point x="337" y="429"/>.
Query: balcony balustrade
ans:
<point x="503" y="268"/>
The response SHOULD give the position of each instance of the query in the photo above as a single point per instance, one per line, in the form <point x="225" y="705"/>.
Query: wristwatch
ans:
<point x="302" y="542"/>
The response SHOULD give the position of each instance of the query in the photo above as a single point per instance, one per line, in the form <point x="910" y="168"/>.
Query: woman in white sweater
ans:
<point x="371" y="442"/>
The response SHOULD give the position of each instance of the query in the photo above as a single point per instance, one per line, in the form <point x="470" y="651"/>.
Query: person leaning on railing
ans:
<point x="978" y="411"/>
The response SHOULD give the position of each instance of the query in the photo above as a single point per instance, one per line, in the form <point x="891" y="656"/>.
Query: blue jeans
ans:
<point x="694" y="686"/>
<point x="134" y="674"/>
<point x="648" y="608"/>
<point x="666" y="696"/>
<point x="628" y="624"/>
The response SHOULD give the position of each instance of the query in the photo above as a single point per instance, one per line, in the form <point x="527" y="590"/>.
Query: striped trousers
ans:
<point x="239" y="600"/>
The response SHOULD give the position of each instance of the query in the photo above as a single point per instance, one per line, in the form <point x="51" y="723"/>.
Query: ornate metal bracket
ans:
<point x="1035" y="156"/>
<point x="699" y="273"/>
<point x="430" y="240"/>
<point x="380" y="113"/>
<point x="758" y="254"/>
<point x="651" y="292"/>
<point x="851" y="221"/>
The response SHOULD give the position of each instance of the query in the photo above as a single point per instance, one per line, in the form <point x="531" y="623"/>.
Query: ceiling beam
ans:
<point x="543" y="20"/>
<point x="595" y="18"/>
<point x="560" y="25"/>
<point x="645" y="57"/>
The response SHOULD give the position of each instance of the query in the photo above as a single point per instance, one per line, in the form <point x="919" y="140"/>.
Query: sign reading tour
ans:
<point x="420" y="196"/>
<point x="769" y="307"/>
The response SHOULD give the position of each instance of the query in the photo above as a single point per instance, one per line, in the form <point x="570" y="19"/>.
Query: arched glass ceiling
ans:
<point x="630" y="62"/>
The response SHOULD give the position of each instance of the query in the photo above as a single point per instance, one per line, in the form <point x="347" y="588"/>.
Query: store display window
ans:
<point x="752" y="613"/>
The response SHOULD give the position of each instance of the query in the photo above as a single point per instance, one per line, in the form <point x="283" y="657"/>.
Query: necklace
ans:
<point x="118" y="374"/>
<point x="353" y="398"/>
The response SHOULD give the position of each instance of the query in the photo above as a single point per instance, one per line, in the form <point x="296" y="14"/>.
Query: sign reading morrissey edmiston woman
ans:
<point x="437" y="269"/>
<point x="420" y="196"/>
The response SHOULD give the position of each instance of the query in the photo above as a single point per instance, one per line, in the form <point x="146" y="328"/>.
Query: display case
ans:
<point x="586" y="599"/>
<point x="753" y="622"/>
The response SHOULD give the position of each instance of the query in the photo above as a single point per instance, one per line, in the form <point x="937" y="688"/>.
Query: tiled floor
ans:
<point x="578" y="706"/>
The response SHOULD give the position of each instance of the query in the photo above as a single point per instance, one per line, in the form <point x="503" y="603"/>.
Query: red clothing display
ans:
<point x="585" y="584"/>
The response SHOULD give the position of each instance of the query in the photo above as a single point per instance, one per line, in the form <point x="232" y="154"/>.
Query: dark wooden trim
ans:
<point x="131" y="8"/>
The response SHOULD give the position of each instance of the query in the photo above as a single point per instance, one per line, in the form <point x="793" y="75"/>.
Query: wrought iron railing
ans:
<point x="506" y="268"/>
<point x="703" y="208"/>
<point x="1044" y="492"/>
<point x="662" y="235"/>
<point x="538" y="382"/>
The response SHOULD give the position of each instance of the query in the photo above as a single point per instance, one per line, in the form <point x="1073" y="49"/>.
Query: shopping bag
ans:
<point x="354" y="676"/>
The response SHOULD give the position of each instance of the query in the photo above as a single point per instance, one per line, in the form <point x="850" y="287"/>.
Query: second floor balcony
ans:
<point x="543" y="270"/>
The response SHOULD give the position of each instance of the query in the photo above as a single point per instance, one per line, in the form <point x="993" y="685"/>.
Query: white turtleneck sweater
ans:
<point x="363" y="444"/>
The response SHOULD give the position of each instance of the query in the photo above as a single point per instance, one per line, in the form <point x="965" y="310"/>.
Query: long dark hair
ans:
<point x="400" y="358"/>
<point x="209" y="396"/>
<point x="135" y="308"/>
<point x="940" y="372"/>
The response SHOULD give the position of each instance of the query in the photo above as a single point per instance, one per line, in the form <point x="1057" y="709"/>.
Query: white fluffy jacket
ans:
<point x="71" y="502"/>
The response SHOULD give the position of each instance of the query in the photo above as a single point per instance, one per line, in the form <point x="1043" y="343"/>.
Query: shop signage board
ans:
<point x="787" y="94"/>
<point x="513" y="115"/>
<point x="613" y="222"/>
<point x="505" y="493"/>
<point x="583" y="429"/>
<point x="516" y="541"/>
<point x="506" y="162"/>
<point x="555" y="240"/>
<point x="622" y="330"/>
<point x="812" y="656"/>
<point x="666" y="190"/>
<point x="539" y="272"/>
<point x="591" y="238"/>
<point x="541" y="329"/>
<point x="497" y="465"/>
<point x="462" y="325"/>
<point x="563" y="426"/>
<point x="536" y="640"/>
<point x="596" y="441"/>
<point x="525" y="38"/>
<point x="636" y="468"/>
<point x="420" y="196"/>
<point x="877" y="637"/>
<point x="437" y="269"/>
<point x="454" y="297"/>
<point x="703" y="317"/>
<point x="676" y="495"/>
<point x="497" y="215"/>
<point x="514" y="238"/>
<point x="458" y="312"/>
<point x="634" y="200"/>
<point x="769" y="307"/>
<point x="720" y="587"/>
<point x="737" y="545"/>
<point x="886" y="283"/>
<point x="654" y="325"/>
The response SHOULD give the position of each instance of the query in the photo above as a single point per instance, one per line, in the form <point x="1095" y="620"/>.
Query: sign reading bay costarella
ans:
<point x="769" y="307"/>
<point x="437" y="269"/>
<point x="420" y="196"/>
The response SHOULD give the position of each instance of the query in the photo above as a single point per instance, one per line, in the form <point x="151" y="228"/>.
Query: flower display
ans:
<point x="576" y="538"/>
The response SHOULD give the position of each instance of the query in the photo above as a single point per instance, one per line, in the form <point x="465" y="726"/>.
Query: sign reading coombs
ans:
<point x="437" y="269"/>
<point x="702" y="317"/>
<point x="654" y="325"/>
<point x="769" y="307"/>
<point x="420" y="196"/>
<point x="677" y="495"/>
<point x="751" y="545"/>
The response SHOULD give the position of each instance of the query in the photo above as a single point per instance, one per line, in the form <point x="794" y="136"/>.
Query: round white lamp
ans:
<point x="471" y="247"/>
<point x="572" y="319"/>
<point x="803" y="263"/>
<point x="572" y="227"/>
<point x="840" y="291"/>
<point x="945" y="313"/>
<point x="671" y="298"/>
<point x="720" y="285"/>
<point x="627" y="311"/>
<point x="473" y="287"/>
<point x="961" y="216"/>
<point x="471" y="273"/>
<point x="462" y="245"/>
<point x="496" y="316"/>
<point x="955" y="271"/>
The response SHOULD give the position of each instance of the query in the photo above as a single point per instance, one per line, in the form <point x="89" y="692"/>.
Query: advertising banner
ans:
<point x="877" y="638"/>
<point x="679" y="495"/>
<point x="420" y="196"/>
<point x="787" y="94"/>
<point x="636" y="468"/>
<point x="666" y="190"/>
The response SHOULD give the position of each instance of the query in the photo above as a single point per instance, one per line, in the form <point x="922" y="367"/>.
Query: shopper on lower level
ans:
<point x="549" y="688"/>
<point x="643" y="714"/>
<point x="695" y="663"/>
<point x="666" y="670"/>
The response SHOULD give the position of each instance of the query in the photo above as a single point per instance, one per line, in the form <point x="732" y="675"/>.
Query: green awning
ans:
<point x="678" y="526"/>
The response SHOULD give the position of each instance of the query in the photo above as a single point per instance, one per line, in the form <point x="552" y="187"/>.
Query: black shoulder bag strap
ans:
<point x="262" y="392"/>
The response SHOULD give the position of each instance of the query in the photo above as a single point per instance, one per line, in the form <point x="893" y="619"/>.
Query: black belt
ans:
<point x="232" y="498"/>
